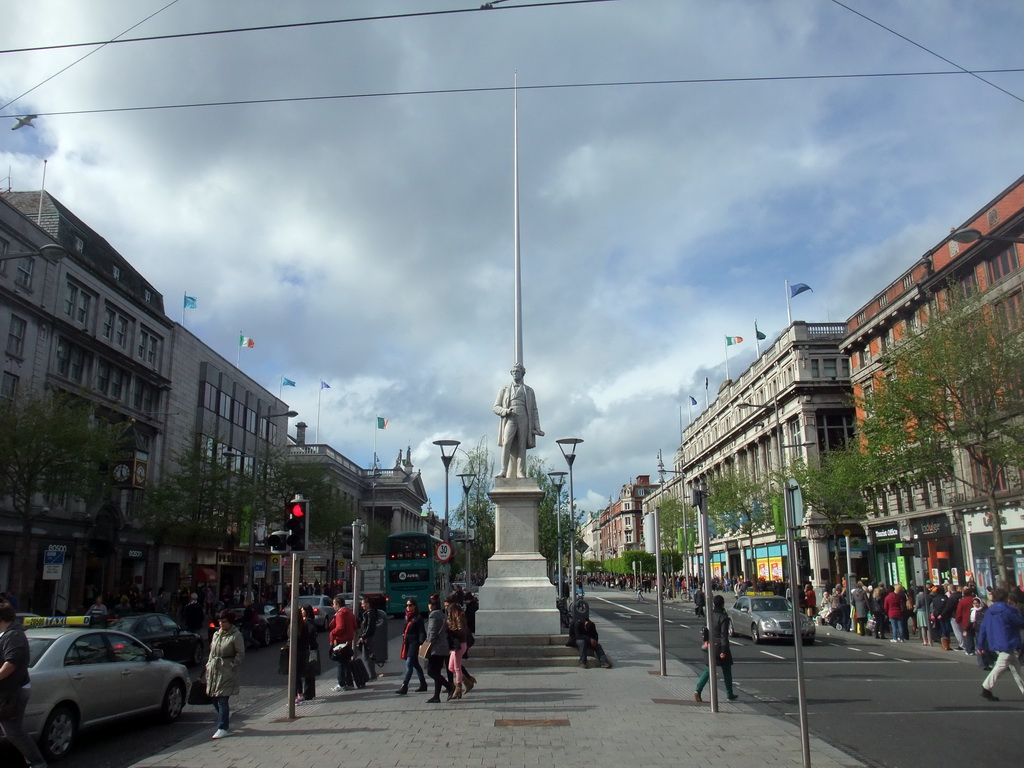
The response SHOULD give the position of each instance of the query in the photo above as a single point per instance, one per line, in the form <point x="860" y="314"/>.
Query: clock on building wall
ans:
<point x="140" y="474"/>
<point x="122" y="472"/>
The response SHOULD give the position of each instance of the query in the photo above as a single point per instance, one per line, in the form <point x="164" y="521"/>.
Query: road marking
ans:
<point x="858" y="650"/>
<point x="773" y="655"/>
<point x="617" y="605"/>
<point x="876" y="653"/>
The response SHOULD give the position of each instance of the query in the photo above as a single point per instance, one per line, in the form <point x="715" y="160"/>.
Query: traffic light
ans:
<point x="278" y="541"/>
<point x="346" y="542"/>
<point x="298" y="524"/>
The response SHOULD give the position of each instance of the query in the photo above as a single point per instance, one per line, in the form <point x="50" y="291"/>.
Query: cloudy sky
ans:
<point x="679" y="161"/>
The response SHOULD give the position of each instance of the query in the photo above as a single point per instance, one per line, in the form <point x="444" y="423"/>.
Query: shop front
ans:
<point x="938" y="549"/>
<point x="979" y="531"/>
<point x="893" y="558"/>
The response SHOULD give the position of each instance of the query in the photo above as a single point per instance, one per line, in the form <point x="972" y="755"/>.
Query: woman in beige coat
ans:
<point x="227" y="649"/>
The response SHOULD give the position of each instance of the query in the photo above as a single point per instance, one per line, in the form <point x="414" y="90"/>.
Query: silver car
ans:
<point x="765" y="617"/>
<point x="85" y="677"/>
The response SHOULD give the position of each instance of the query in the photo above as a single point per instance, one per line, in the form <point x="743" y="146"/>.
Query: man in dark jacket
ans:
<point x="367" y="629"/>
<point x="723" y="654"/>
<point x="587" y="642"/>
<point x="192" y="614"/>
<point x="14" y="686"/>
<point x="1000" y="634"/>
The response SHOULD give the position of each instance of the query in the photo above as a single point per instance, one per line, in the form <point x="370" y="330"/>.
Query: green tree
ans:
<point x="833" y="488"/>
<point x="50" y="445"/>
<point x="199" y="502"/>
<point x="478" y="461"/>
<point x="951" y="403"/>
<point x="738" y="503"/>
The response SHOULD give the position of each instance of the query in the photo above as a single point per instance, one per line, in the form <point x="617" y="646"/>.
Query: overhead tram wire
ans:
<point x="298" y="24"/>
<point x="100" y="47"/>
<point x="891" y="31"/>
<point x="498" y="89"/>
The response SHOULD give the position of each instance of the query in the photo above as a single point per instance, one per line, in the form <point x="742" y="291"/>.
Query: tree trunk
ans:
<point x="997" y="538"/>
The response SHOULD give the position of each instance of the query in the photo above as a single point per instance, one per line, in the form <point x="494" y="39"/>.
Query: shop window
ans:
<point x="1003" y="264"/>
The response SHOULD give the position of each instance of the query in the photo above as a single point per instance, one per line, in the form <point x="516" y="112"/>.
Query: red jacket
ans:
<point x="894" y="604"/>
<point x="963" y="611"/>
<point x="343" y="629"/>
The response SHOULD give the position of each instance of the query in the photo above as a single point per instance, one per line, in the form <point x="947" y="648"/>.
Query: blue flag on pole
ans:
<point x="797" y="288"/>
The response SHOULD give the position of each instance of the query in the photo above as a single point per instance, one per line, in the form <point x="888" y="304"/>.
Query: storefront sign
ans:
<point x="932" y="527"/>
<point x="886" y="534"/>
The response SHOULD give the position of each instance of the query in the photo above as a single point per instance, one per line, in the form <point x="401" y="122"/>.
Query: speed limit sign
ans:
<point x="444" y="551"/>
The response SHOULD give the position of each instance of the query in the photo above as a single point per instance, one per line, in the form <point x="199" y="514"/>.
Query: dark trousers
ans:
<point x="586" y="648"/>
<point x="15" y="732"/>
<point x="434" y="666"/>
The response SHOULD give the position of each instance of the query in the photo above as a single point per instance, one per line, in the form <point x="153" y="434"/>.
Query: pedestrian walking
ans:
<point x="723" y="654"/>
<point x="227" y="649"/>
<point x="412" y="638"/>
<point x="699" y="601"/>
<point x="14" y="686"/>
<point x="1000" y="634"/>
<point x="459" y="635"/>
<point x="305" y="646"/>
<point x="342" y="636"/>
<point x="437" y="636"/>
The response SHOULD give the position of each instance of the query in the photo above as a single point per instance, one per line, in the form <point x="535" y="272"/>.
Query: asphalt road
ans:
<point x="893" y="705"/>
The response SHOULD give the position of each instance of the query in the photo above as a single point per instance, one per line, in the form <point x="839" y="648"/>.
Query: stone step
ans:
<point x="475" y="663"/>
<point x="526" y="652"/>
<point x="520" y="640"/>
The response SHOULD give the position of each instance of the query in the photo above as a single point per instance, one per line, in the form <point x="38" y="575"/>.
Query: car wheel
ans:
<point x="755" y="633"/>
<point x="59" y="733"/>
<point x="197" y="655"/>
<point x="732" y="629"/>
<point x="265" y="639"/>
<point x="173" y="703"/>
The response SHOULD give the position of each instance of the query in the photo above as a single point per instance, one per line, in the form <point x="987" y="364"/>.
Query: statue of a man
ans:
<point x="520" y="423"/>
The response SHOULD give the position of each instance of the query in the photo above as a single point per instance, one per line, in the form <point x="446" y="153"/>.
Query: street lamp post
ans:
<point x="700" y="501"/>
<point x="790" y="488"/>
<point x="51" y="252"/>
<point x="685" y="529"/>
<point x="558" y="480"/>
<point x="968" y="235"/>
<point x="447" y="454"/>
<point x="467" y="479"/>
<point x="568" y="448"/>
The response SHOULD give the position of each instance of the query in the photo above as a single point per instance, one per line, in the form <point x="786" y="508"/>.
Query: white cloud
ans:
<point x="368" y="242"/>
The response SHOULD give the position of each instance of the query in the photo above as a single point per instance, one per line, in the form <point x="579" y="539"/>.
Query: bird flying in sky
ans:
<point x="23" y="121"/>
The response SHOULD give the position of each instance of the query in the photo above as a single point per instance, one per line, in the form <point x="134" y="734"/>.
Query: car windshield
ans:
<point x="125" y="625"/>
<point x="771" y="605"/>
<point x="36" y="647"/>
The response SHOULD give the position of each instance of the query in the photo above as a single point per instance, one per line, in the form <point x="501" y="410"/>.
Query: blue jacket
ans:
<point x="1000" y="631"/>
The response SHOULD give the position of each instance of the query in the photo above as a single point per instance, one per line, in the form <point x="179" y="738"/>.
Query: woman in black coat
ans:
<point x="414" y="636"/>
<point x="305" y="685"/>
<point x="723" y="655"/>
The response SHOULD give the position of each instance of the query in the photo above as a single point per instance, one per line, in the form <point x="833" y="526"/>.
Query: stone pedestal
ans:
<point x="517" y="598"/>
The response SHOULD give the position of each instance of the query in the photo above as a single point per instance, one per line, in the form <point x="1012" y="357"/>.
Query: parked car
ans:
<point x="323" y="608"/>
<point x="159" y="631"/>
<point x="271" y="625"/>
<point x="767" y="617"/>
<point x="86" y="677"/>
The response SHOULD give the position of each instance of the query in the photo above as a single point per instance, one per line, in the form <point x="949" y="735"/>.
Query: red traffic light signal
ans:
<point x="298" y="525"/>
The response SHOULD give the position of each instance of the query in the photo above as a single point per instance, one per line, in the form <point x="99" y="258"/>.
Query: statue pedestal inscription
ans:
<point x="517" y="598"/>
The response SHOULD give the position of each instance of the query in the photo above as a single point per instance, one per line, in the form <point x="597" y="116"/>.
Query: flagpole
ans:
<point x="689" y="408"/>
<point x="757" y="341"/>
<point x="238" y="354"/>
<point x="789" y="311"/>
<point x="727" y="358"/>
<point x="680" y="423"/>
<point x="319" y="396"/>
<point x="184" y="296"/>
<point x="707" y="401"/>
<point x="375" y="441"/>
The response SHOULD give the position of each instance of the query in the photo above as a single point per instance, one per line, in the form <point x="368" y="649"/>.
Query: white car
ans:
<point x="85" y="677"/>
<point x="323" y="608"/>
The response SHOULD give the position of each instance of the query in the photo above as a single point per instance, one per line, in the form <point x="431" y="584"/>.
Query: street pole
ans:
<point x="798" y="639"/>
<point x="447" y="454"/>
<point x="558" y="480"/>
<point x="700" y="501"/>
<point x="568" y="448"/>
<point x="293" y="634"/>
<point x="661" y="591"/>
<point x="467" y="479"/>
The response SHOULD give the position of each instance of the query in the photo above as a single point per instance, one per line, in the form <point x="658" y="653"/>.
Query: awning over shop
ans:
<point x="205" y="573"/>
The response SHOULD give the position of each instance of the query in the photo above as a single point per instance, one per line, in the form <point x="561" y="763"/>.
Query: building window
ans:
<point x="815" y="368"/>
<point x="224" y="407"/>
<point x="108" y="323"/>
<point x="16" y="336"/>
<point x="8" y="387"/>
<point x="844" y="367"/>
<point x="77" y="303"/>
<point x="24" y="277"/>
<point x="118" y="381"/>
<point x="828" y="367"/>
<point x="121" y="332"/>
<point x="1003" y="264"/>
<point x="835" y="431"/>
<point x="1008" y="312"/>
<point x="115" y="271"/>
<point x="969" y="284"/>
<point x="102" y="376"/>
<point x="980" y="483"/>
<point x="147" y="346"/>
<point x="79" y="244"/>
<point x="147" y="295"/>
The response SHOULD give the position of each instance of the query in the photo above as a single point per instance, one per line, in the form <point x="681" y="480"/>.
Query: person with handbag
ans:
<point x="305" y="648"/>
<point x="723" y="654"/>
<point x="458" y="632"/>
<point x="227" y="649"/>
<point x="414" y="636"/>
<point x="14" y="686"/>
<point x="342" y="635"/>
<point x="436" y="649"/>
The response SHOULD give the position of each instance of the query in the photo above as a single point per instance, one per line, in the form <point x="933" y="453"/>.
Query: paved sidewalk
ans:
<point x="570" y="718"/>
